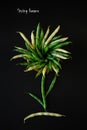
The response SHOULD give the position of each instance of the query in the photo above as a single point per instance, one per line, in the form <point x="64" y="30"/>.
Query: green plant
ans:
<point x="43" y="54"/>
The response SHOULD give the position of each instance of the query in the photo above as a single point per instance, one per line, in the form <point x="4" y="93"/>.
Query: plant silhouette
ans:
<point x="43" y="54"/>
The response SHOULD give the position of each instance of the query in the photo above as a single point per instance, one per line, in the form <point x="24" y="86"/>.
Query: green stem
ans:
<point x="43" y="91"/>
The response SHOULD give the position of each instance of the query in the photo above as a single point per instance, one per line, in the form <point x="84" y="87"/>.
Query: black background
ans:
<point x="69" y="96"/>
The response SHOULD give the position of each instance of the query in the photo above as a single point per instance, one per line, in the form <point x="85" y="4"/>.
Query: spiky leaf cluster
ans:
<point x="44" y="52"/>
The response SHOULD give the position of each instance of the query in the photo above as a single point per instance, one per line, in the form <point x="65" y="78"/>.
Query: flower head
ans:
<point x="44" y="52"/>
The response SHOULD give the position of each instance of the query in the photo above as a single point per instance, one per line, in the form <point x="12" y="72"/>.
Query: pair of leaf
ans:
<point x="43" y="103"/>
<point x="25" y="54"/>
<point x="60" y="55"/>
<point x="34" y="66"/>
<point x="56" y="45"/>
<point x="54" y="60"/>
<point x="52" y="35"/>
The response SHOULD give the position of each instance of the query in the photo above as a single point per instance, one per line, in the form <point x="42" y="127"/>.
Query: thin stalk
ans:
<point x="43" y="114"/>
<point x="43" y="91"/>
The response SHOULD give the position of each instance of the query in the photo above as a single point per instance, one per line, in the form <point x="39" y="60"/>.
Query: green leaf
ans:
<point x="46" y="35"/>
<point x="57" y="63"/>
<point x="51" y="86"/>
<point x="41" y="35"/>
<point x="38" y="73"/>
<point x="62" y="50"/>
<point x="33" y="39"/>
<point x="38" y="40"/>
<point x="62" y="44"/>
<point x="56" y="38"/>
<point x="36" y="98"/>
<point x="55" y="68"/>
<point x="38" y="36"/>
<point x="44" y="39"/>
<point x="27" y="46"/>
<point x="50" y="65"/>
<point x="24" y="56"/>
<point x="25" y="39"/>
<point x="59" y="56"/>
<point x="21" y="50"/>
<point x="64" y="54"/>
